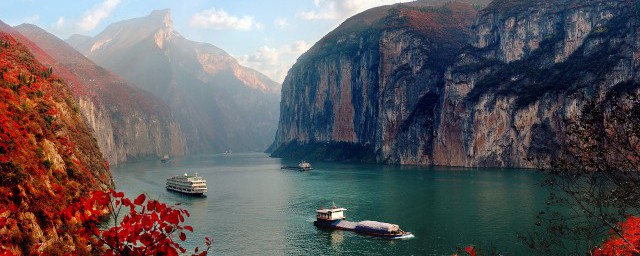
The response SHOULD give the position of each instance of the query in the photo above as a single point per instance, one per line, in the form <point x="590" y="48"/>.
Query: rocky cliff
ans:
<point x="357" y="88"/>
<point x="218" y="103"/>
<point x="501" y="99"/>
<point x="127" y="122"/>
<point x="48" y="156"/>
<point x="530" y="65"/>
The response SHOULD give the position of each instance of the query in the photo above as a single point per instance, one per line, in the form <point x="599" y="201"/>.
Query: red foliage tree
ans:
<point x="150" y="228"/>
<point x="469" y="250"/>
<point x="628" y="243"/>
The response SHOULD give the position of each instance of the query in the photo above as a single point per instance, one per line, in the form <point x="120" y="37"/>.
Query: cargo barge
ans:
<point x="334" y="218"/>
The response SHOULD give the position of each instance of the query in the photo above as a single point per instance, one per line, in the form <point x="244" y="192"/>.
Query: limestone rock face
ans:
<point x="492" y="90"/>
<point x="362" y="83"/>
<point x="529" y="68"/>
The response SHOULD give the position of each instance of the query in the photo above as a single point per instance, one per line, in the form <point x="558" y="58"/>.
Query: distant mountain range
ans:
<point x="218" y="103"/>
<point x="127" y="122"/>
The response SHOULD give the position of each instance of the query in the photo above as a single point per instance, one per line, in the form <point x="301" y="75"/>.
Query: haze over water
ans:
<point x="255" y="208"/>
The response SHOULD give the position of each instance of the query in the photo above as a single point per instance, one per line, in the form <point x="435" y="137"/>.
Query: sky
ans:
<point x="265" y="35"/>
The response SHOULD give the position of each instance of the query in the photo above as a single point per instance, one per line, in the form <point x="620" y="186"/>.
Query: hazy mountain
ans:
<point x="219" y="104"/>
<point x="127" y="122"/>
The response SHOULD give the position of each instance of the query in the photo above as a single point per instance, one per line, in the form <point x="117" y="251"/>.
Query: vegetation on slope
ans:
<point x="47" y="153"/>
<point x="53" y="177"/>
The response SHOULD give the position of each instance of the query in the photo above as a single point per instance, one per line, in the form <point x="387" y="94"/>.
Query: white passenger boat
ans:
<point x="188" y="184"/>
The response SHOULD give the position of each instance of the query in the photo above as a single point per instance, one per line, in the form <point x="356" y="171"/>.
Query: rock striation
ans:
<point x="358" y="86"/>
<point x="493" y="92"/>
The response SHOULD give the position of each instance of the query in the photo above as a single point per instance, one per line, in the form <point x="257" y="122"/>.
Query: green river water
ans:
<point x="255" y="208"/>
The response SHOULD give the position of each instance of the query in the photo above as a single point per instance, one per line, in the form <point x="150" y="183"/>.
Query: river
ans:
<point x="254" y="208"/>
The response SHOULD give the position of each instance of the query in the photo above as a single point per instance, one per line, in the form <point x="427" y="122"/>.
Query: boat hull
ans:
<point x="351" y="226"/>
<point x="296" y="168"/>
<point x="185" y="192"/>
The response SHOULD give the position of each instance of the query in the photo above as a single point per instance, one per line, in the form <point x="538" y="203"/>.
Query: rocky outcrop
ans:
<point x="127" y="122"/>
<point x="501" y="100"/>
<point x="131" y="134"/>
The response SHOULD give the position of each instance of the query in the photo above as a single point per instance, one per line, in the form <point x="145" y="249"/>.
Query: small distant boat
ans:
<point x="334" y="218"/>
<point x="165" y="159"/>
<point x="228" y="152"/>
<point x="187" y="184"/>
<point x="305" y="165"/>
<point x="302" y="166"/>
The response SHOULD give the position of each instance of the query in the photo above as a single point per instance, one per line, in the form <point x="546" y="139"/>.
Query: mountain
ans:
<point x="353" y="94"/>
<point x="48" y="156"/>
<point x="218" y="103"/>
<point x="414" y="84"/>
<point x="127" y="122"/>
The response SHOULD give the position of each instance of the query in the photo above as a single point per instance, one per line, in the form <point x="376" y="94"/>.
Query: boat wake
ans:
<point x="407" y="236"/>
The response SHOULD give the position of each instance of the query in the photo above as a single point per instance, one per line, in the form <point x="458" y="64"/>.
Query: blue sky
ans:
<point x="265" y="35"/>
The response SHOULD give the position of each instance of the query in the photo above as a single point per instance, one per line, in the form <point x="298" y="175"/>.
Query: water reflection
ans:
<point x="337" y="238"/>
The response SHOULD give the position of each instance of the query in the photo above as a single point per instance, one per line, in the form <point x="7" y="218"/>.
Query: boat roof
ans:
<point x="187" y="176"/>
<point x="331" y="210"/>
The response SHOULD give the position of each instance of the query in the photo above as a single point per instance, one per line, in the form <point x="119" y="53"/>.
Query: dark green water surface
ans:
<point x="255" y="208"/>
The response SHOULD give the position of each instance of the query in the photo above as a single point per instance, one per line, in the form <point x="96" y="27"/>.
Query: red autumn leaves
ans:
<point x="627" y="244"/>
<point x="148" y="227"/>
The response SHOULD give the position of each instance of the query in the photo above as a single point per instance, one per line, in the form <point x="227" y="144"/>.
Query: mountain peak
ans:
<point x="162" y="16"/>
<point x="165" y="30"/>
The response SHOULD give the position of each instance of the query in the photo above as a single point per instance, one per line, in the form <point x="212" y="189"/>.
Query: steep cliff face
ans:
<point x="218" y="103"/>
<point x="499" y="100"/>
<point x="48" y="156"/>
<point x="531" y="65"/>
<point x="127" y="122"/>
<point x="360" y="84"/>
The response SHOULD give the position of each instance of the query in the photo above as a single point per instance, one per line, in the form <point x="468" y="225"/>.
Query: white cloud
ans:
<point x="281" y="22"/>
<point x="93" y="17"/>
<point x="59" y="24"/>
<point x="341" y="9"/>
<point x="275" y="62"/>
<point x="220" y="19"/>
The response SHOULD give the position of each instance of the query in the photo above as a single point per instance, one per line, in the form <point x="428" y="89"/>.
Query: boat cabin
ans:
<point x="331" y="214"/>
